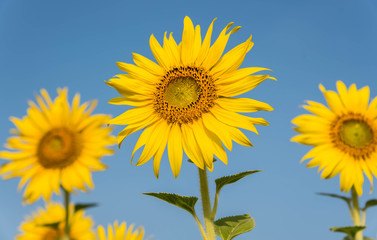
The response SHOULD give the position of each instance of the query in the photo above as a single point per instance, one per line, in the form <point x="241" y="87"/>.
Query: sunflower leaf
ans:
<point x="350" y="231"/>
<point x="370" y="203"/>
<point x="54" y="225"/>
<point x="186" y="203"/>
<point x="221" y="182"/>
<point x="82" y="206"/>
<point x="346" y="199"/>
<point x="230" y="227"/>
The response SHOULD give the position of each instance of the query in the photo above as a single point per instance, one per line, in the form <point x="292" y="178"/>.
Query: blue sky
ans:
<point x="50" y="44"/>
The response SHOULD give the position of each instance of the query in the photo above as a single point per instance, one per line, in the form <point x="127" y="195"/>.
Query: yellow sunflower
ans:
<point x="344" y="137"/>
<point x="120" y="232"/>
<point x="34" y="227"/>
<point x="56" y="144"/>
<point x="186" y="100"/>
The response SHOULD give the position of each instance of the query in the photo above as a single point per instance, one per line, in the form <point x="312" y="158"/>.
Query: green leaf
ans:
<point x="187" y="203"/>
<point x="221" y="182"/>
<point x="346" y="199"/>
<point x="54" y="225"/>
<point x="370" y="203"/>
<point x="82" y="206"/>
<point x="230" y="227"/>
<point x="350" y="231"/>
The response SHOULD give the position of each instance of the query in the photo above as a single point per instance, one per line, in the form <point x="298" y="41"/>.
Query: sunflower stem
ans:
<point x="356" y="213"/>
<point x="66" y="204"/>
<point x="200" y="227"/>
<point x="208" y="221"/>
<point x="214" y="210"/>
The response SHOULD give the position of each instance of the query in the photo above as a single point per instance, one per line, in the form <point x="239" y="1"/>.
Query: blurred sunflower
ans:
<point x="120" y="232"/>
<point x="56" y="144"/>
<point x="344" y="137"/>
<point x="186" y="100"/>
<point x="49" y="224"/>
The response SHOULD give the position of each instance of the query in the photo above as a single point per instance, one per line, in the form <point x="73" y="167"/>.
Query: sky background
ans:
<point x="51" y="44"/>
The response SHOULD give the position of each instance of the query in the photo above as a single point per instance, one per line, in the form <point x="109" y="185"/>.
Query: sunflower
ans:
<point x="56" y="144"/>
<point x="120" y="232"/>
<point x="49" y="224"/>
<point x="186" y="100"/>
<point x="344" y="137"/>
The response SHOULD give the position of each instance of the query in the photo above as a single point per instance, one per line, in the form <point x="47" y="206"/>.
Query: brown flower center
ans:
<point x="184" y="94"/>
<point x="58" y="148"/>
<point x="354" y="134"/>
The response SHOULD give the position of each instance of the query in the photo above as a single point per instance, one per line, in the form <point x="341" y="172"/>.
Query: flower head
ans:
<point x="344" y="137"/>
<point x="56" y="144"/>
<point x="49" y="224"/>
<point x="186" y="101"/>
<point x="120" y="232"/>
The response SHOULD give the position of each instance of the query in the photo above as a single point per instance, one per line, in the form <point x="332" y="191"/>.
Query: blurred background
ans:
<point x="50" y="44"/>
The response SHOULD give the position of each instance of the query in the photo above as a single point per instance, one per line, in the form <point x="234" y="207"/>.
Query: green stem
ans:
<point x="356" y="213"/>
<point x="66" y="204"/>
<point x="214" y="210"/>
<point x="208" y="222"/>
<point x="200" y="227"/>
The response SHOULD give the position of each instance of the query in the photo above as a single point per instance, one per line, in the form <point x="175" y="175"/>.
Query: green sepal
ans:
<point x="186" y="203"/>
<point x="82" y="206"/>
<point x="350" y="231"/>
<point x="221" y="182"/>
<point x="346" y="199"/>
<point x="370" y="203"/>
<point x="54" y="225"/>
<point x="228" y="228"/>
<point x="190" y="161"/>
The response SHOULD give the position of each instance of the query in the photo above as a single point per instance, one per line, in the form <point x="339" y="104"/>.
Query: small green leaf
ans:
<point x="82" y="206"/>
<point x="368" y="238"/>
<point x="370" y="203"/>
<point x="54" y="225"/>
<point x="346" y="199"/>
<point x="221" y="182"/>
<point x="187" y="203"/>
<point x="230" y="227"/>
<point x="350" y="231"/>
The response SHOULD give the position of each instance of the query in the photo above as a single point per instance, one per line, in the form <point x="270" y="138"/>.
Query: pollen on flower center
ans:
<point x="58" y="148"/>
<point x="182" y="91"/>
<point x="184" y="94"/>
<point x="354" y="134"/>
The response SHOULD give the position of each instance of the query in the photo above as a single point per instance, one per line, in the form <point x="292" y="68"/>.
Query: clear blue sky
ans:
<point x="50" y="44"/>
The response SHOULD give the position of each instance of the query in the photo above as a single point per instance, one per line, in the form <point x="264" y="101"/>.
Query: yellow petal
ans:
<point x="217" y="49"/>
<point x="133" y="115"/>
<point x="244" y="85"/>
<point x="243" y="105"/>
<point x="191" y="147"/>
<point x="165" y="129"/>
<point x="188" y="36"/>
<point x="204" y="49"/>
<point x="217" y="127"/>
<point x="175" y="149"/>
<point x="233" y="59"/>
<point x="148" y="65"/>
<point x="159" y="53"/>
<point x="138" y="73"/>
